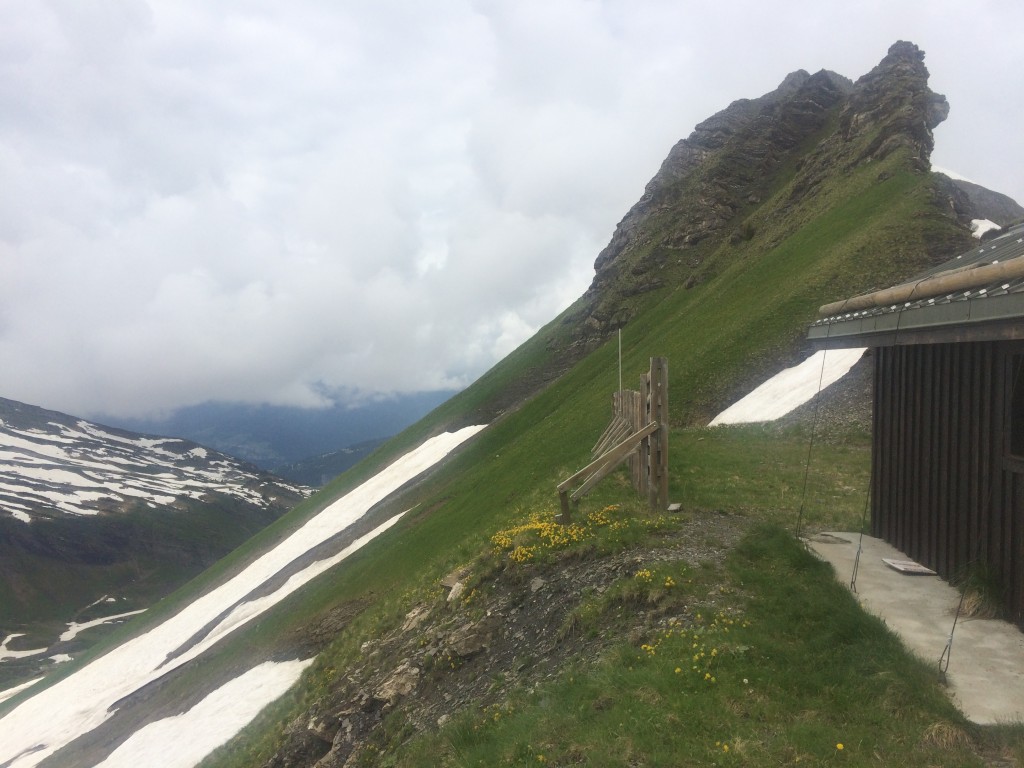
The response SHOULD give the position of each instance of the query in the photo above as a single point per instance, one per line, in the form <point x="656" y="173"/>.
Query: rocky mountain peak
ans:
<point x="894" y="101"/>
<point x="778" y="150"/>
<point x="793" y="81"/>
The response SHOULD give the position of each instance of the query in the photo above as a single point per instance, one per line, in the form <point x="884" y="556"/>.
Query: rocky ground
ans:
<point x="486" y="635"/>
<point x="841" y="409"/>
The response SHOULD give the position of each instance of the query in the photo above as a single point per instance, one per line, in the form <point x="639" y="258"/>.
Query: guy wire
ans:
<point x="814" y="426"/>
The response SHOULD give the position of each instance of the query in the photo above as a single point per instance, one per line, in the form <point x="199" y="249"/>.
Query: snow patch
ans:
<point x="6" y="653"/>
<point x="10" y="693"/>
<point x="75" y="471"/>
<point x="790" y="388"/>
<point x="183" y="740"/>
<point x="74" y="628"/>
<point x="253" y="608"/>
<point x="980" y="226"/>
<point x="103" y="599"/>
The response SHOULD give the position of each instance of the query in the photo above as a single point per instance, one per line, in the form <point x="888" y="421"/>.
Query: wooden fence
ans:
<point x="638" y="435"/>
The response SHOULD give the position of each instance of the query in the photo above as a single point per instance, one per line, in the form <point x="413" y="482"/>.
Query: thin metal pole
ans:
<point x="620" y="360"/>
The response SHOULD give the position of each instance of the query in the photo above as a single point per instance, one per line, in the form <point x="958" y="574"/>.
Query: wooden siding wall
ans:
<point x="944" y="489"/>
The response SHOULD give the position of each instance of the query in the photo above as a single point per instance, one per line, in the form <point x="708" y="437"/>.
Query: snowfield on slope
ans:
<point x="59" y="714"/>
<point x="83" y="469"/>
<point x="790" y="388"/>
<point x="183" y="740"/>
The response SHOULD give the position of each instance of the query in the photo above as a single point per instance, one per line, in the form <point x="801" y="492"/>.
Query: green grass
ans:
<point x="791" y="666"/>
<point x="782" y="673"/>
<point x="760" y="471"/>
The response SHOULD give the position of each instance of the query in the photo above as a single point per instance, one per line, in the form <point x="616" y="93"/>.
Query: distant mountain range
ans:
<point x="53" y="465"/>
<point x="316" y="471"/>
<point x="273" y="436"/>
<point x="89" y="512"/>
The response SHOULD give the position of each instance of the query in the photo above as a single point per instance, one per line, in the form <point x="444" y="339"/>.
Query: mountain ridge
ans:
<point x="841" y="155"/>
<point x="745" y="180"/>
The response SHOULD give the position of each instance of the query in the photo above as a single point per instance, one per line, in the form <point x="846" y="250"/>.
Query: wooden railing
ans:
<point x="637" y="434"/>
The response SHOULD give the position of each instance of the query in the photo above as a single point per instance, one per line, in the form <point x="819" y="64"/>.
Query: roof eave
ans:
<point x="984" y="318"/>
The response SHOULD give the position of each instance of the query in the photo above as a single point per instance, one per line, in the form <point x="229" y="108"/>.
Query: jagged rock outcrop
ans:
<point x="892" y="106"/>
<point x="710" y="177"/>
<point x="762" y="156"/>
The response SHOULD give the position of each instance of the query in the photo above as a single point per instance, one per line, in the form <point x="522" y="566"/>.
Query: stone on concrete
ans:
<point x="986" y="666"/>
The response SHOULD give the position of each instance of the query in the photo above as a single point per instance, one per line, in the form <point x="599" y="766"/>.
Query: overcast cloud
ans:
<point x="297" y="202"/>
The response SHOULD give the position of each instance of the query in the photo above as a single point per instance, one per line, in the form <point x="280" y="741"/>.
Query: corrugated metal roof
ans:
<point x="993" y="302"/>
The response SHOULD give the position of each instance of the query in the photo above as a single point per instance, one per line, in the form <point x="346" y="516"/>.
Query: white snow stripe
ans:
<point x="790" y="388"/>
<point x="183" y="740"/>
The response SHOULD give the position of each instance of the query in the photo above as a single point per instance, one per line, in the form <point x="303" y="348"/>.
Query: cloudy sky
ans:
<point x="294" y="202"/>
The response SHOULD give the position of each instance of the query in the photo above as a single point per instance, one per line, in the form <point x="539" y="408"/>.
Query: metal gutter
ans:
<point x="977" y="295"/>
<point x="978" y="316"/>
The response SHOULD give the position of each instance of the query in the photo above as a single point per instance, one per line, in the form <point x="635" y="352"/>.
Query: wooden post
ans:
<point x="565" y="516"/>
<point x="638" y="435"/>
<point x="636" y="420"/>
<point x="644" y="451"/>
<point x="658" y="489"/>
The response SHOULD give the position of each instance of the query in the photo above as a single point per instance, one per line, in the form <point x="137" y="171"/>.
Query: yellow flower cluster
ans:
<point x="602" y="517"/>
<point x="493" y="714"/>
<point x="541" y="532"/>
<point x="698" y="642"/>
<point x="522" y="554"/>
<point x="647" y="576"/>
<point x="551" y="534"/>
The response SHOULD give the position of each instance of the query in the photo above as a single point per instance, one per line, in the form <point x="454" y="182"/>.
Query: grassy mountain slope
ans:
<point x="598" y="645"/>
<point x="741" y="319"/>
<point x="870" y="224"/>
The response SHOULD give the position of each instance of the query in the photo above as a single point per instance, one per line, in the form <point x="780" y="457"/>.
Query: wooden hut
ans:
<point x="948" y="434"/>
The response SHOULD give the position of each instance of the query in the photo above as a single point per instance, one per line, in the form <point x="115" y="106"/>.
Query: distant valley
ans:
<point x="273" y="436"/>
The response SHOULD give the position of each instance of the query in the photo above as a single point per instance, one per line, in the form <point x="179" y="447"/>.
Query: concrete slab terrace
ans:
<point x="986" y="667"/>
